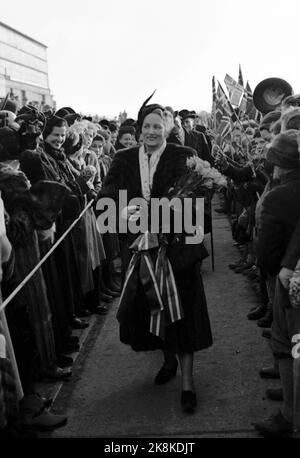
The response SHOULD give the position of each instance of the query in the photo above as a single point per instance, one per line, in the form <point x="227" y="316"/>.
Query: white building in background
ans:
<point x="23" y="68"/>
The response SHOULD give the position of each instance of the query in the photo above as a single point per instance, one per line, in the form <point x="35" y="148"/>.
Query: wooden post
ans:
<point x="212" y="249"/>
<point x="211" y="235"/>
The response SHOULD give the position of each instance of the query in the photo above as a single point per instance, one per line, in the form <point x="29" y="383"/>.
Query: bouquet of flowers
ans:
<point x="211" y="177"/>
<point x="199" y="178"/>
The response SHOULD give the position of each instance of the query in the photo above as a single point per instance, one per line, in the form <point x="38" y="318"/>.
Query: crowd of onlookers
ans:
<point x="52" y="167"/>
<point x="262" y="164"/>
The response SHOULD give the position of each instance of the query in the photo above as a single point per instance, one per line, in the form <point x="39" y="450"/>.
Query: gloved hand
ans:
<point x="284" y="276"/>
<point x="294" y="288"/>
<point x="131" y="212"/>
<point x="48" y="234"/>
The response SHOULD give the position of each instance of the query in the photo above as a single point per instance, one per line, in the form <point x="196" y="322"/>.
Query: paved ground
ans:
<point x="112" y="393"/>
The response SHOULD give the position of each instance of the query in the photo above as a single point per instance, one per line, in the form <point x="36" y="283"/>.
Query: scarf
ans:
<point x="148" y="165"/>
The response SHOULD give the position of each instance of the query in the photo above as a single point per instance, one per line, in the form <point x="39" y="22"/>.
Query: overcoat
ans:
<point x="280" y="212"/>
<point x="195" y="140"/>
<point x="193" y="332"/>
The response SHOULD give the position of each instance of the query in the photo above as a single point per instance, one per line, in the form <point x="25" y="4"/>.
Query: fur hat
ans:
<point x="73" y="142"/>
<point x="10" y="144"/>
<point x="284" y="150"/>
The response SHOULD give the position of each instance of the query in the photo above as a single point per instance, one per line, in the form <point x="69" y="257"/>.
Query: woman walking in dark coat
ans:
<point x="149" y="172"/>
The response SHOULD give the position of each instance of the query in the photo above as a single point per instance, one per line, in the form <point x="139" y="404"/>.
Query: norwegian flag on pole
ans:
<point x="235" y="90"/>
<point x="247" y="106"/>
<point x="244" y="101"/>
<point x="214" y="94"/>
<point x="223" y="114"/>
<point x="250" y="110"/>
<point x="213" y="109"/>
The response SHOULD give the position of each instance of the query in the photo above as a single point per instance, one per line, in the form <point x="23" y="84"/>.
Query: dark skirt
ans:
<point x="35" y="295"/>
<point x="68" y="270"/>
<point x="111" y="245"/>
<point x="54" y="282"/>
<point x="190" y="334"/>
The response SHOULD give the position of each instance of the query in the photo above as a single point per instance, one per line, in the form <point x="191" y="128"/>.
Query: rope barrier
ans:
<point x="28" y="277"/>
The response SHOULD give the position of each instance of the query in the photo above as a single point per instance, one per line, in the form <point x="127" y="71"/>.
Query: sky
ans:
<point x="106" y="56"/>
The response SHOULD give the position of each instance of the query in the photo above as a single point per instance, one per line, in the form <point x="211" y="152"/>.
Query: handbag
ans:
<point x="182" y="255"/>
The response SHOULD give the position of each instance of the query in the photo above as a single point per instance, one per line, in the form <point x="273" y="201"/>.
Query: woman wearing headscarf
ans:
<point x="148" y="172"/>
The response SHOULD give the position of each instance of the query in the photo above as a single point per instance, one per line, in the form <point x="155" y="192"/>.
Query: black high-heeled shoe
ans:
<point x="112" y="293"/>
<point x="106" y="298"/>
<point x="165" y="374"/>
<point x="188" y="401"/>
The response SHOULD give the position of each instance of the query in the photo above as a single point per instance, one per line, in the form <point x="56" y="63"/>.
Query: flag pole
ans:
<point x="3" y="103"/>
<point x="237" y="117"/>
<point x="214" y="102"/>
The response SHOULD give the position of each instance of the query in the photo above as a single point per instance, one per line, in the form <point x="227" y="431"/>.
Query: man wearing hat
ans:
<point x="185" y="134"/>
<point x="280" y="213"/>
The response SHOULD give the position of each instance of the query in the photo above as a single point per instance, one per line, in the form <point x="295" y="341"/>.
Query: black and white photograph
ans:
<point x="149" y="222"/>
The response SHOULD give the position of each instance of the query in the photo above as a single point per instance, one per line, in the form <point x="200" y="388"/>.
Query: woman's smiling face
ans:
<point x="126" y="140"/>
<point x="153" y="130"/>
<point x="57" y="137"/>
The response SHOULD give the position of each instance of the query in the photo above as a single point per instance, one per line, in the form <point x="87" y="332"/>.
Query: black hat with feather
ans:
<point x="145" y="110"/>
